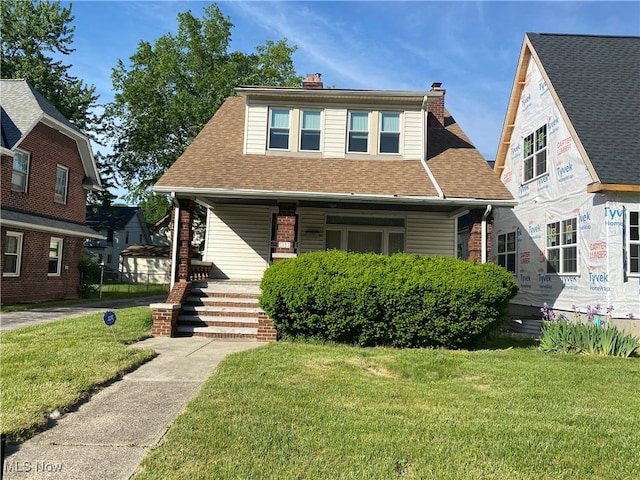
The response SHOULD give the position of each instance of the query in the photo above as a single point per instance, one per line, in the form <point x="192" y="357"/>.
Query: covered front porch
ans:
<point x="244" y="236"/>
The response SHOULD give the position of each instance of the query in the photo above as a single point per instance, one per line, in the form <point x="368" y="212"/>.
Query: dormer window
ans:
<point x="358" y="132"/>
<point x="390" y="133"/>
<point x="310" y="130"/>
<point x="279" y="127"/>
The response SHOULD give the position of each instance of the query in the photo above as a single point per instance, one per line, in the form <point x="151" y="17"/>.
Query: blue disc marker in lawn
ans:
<point x="109" y="318"/>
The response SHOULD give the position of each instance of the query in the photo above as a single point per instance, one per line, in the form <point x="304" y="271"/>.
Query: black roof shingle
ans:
<point x="597" y="79"/>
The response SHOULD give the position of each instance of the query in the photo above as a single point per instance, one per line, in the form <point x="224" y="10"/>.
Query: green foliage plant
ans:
<point x="89" y="275"/>
<point x="373" y="300"/>
<point x="589" y="334"/>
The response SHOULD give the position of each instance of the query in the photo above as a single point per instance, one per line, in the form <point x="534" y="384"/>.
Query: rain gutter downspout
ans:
<point x="423" y="158"/>
<point x="174" y="243"/>
<point x="487" y="212"/>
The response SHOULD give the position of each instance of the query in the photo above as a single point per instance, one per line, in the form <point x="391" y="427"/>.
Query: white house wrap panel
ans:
<point x="601" y="274"/>
<point x="238" y="241"/>
<point x="256" y="139"/>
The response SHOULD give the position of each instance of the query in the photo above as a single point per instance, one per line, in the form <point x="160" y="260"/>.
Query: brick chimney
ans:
<point x="313" y="81"/>
<point x="435" y="107"/>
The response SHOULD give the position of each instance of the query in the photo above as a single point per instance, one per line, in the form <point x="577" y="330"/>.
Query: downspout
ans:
<point x="174" y="243"/>
<point x="423" y="158"/>
<point x="487" y="212"/>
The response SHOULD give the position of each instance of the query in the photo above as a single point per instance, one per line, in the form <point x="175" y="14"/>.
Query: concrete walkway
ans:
<point x="108" y="436"/>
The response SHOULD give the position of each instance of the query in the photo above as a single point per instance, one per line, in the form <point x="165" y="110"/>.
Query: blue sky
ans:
<point x="471" y="47"/>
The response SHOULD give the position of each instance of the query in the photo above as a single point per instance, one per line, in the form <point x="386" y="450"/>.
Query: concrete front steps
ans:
<point x="221" y="309"/>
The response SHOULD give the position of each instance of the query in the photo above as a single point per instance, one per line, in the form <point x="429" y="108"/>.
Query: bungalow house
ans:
<point x="569" y="154"/>
<point x="47" y="170"/>
<point x="284" y="171"/>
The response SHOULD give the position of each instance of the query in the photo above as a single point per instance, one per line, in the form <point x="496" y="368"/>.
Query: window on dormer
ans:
<point x="310" y="130"/>
<point x="535" y="154"/>
<point x="358" y="132"/>
<point x="279" y="125"/>
<point x="390" y="133"/>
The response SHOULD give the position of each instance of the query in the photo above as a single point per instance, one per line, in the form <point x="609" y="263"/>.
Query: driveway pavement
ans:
<point x="35" y="316"/>
<point x="108" y="436"/>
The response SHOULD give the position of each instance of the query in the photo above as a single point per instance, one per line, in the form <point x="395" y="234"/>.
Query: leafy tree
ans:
<point x="172" y="87"/>
<point x="31" y="31"/>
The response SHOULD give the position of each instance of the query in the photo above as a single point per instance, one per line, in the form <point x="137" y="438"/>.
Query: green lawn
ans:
<point x="56" y="365"/>
<point x="111" y="291"/>
<point x="288" y="411"/>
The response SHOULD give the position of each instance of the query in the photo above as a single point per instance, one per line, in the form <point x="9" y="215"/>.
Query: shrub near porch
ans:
<point x="400" y="301"/>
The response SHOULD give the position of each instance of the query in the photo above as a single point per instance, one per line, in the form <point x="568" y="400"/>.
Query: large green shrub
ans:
<point x="401" y="301"/>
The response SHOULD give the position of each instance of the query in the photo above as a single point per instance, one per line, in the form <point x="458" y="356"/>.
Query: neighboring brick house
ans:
<point x="121" y="226"/>
<point x="285" y="171"/>
<point x="569" y="153"/>
<point x="47" y="169"/>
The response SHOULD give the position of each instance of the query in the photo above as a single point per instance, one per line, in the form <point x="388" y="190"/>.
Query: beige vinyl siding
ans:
<point x="335" y="132"/>
<point x="431" y="233"/>
<point x="311" y="229"/>
<point x="256" y="139"/>
<point x="238" y="241"/>
<point x="413" y="135"/>
<point x="427" y="233"/>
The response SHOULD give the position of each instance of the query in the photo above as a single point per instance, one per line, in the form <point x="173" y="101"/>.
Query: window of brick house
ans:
<point x="12" y="254"/>
<point x="55" y="256"/>
<point x="62" y="180"/>
<point x="20" y="172"/>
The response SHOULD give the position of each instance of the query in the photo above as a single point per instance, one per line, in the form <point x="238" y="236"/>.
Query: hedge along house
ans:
<point x="569" y="154"/>
<point x="283" y="171"/>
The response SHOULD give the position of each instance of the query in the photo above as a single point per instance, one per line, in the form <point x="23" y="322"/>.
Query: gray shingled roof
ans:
<point x="22" y="107"/>
<point x="597" y="79"/>
<point x="37" y="222"/>
<point x="110" y="217"/>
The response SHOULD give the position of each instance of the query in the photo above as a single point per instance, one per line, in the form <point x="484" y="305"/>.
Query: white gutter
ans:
<point x="423" y="157"/>
<point x="45" y="228"/>
<point x="336" y="197"/>
<point x="174" y="243"/>
<point x="487" y="212"/>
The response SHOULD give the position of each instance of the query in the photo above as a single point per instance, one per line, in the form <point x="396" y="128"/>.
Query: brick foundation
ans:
<point x="165" y="315"/>
<point x="266" y="331"/>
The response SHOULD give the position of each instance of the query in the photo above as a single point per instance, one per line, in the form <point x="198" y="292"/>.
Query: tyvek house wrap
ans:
<point x="602" y="220"/>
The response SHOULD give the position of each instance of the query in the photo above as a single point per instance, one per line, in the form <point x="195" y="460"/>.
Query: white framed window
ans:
<point x="383" y="235"/>
<point x="358" y="138"/>
<point x="279" y="128"/>
<point x="562" y="246"/>
<point x="634" y="243"/>
<point x="507" y="251"/>
<point x="55" y="256"/>
<point x="389" y="133"/>
<point x="62" y="181"/>
<point x="20" y="172"/>
<point x="535" y="154"/>
<point x="310" y="130"/>
<point x="12" y="254"/>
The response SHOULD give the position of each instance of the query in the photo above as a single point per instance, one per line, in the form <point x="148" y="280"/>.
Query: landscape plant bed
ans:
<point x="291" y="410"/>
<point x="55" y="366"/>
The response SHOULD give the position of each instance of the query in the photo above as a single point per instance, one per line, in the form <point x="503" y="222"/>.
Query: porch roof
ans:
<point x="214" y="165"/>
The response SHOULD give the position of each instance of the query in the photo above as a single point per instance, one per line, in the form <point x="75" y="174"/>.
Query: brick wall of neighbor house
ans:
<point x="34" y="284"/>
<point x="48" y="149"/>
<point x="475" y="235"/>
